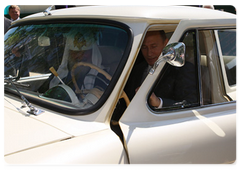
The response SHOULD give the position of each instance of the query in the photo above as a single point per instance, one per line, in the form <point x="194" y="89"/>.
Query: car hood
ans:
<point x="23" y="132"/>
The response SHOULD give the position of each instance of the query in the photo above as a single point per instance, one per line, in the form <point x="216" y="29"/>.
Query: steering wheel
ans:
<point x="78" y="91"/>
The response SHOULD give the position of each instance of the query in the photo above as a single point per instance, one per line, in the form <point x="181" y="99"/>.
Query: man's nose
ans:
<point x="150" y="53"/>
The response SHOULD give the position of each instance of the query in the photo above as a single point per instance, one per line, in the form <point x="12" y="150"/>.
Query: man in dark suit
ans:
<point x="176" y="86"/>
<point x="6" y="23"/>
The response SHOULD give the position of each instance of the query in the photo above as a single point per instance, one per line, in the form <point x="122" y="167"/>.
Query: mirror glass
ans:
<point x="174" y="54"/>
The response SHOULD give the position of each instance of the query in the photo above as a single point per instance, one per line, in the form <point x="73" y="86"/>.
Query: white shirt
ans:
<point x="161" y="103"/>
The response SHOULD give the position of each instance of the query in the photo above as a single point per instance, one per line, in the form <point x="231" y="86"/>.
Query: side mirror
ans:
<point x="173" y="53"/>
<point x="43" y="41"/>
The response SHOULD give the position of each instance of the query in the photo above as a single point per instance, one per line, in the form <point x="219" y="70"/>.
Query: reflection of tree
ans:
<point x="24" y="34"/>
<point x="23" y="40"/>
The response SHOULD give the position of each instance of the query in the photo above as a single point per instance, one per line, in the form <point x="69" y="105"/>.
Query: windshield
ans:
<point x="70" y="65"/>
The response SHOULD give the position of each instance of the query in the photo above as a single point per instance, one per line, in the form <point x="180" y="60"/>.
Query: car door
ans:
<point x="201" y="132"/>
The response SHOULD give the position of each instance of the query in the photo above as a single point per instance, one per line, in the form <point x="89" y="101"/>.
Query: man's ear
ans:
<point x="165" y="42"/>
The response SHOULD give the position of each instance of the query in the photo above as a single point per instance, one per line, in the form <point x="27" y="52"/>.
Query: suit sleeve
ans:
<point x="179" y="85"/>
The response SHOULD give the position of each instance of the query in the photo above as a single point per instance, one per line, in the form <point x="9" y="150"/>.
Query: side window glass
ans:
<point x="212" y="87"/>
<point x="227" y="39"/>
<point x="177" y="87"/>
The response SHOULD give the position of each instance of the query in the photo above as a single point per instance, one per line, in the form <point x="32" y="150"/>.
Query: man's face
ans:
<point x="14" y="13"/>
<point x="152" y="47"/>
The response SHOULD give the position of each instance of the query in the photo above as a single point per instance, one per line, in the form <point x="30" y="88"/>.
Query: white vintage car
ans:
<point x="66" y="99"/>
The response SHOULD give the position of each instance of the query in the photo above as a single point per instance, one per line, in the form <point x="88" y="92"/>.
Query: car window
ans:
<point x="141" y="66"/>
<point x="212" y="86"/>
<point x="227" y="39"/>
<point x="69" y="65"/>
<point x="178" y="86"/>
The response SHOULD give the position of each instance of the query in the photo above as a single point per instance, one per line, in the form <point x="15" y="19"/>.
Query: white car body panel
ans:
<point x="199" y="135"/>
<point x="177" y="137"/>
<point x="17" y="131"/>
<point x="140" y="13"/>
<point x="26" y="136"/>
<point x="86" y="149"/>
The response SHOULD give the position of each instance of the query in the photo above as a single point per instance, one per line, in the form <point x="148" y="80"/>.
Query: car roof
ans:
<point x="139" y="13"/>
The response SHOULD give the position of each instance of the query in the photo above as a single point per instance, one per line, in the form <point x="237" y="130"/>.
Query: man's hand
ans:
<point x="154" y="100"/>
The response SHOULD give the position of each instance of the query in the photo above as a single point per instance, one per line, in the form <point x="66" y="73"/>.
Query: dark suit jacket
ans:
<point x="135" y="78"/>
<point x="6" y="24"/>
<point x="176" y="83"/>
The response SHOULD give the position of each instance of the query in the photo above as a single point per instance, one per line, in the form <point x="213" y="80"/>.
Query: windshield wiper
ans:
<point x="10" y="77"/>
<point x="18" y="109"/>
<point x="32" y="110"/>
<point x="17" y="83"/>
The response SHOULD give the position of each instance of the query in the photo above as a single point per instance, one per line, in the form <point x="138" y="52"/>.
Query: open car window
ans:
<point x="70" y="66"/>
<point x="178" y="86"/>
<point x="199" y="82"/>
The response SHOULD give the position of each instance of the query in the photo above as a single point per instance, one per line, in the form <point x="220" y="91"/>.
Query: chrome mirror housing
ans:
<point x="173" y="53"/>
